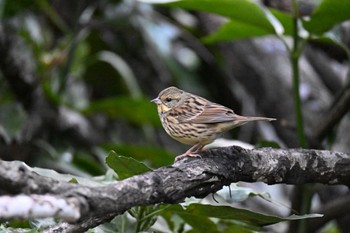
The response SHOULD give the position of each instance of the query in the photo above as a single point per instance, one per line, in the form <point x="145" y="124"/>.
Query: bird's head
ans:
<point x="169" y="98"/>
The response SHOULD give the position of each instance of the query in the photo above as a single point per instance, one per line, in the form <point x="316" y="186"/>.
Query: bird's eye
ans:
<point x="168" y="99"/>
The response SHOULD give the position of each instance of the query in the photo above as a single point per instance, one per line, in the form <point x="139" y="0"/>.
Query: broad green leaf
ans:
<point x="146" y="216"/>
<point x="154" y="210"/>
<point x="327" y="15"/>
<point x="327" y="39"/>
<point x="18" y="224"/>
<point x="227" y="212"/>
<point x="199" y="223"/>
<point x="125" y="167"/>
<point x="118" y="224"/>
<point x="244" y="11"/>
<point x="235" y="30"/>
<point x="136" y="111"/>
<point x="173" y="221"/>
<point x="331" y="38"/>
<point x="8" y="229"/>
<point x="156" y="155"/>
<point x="238" y="226"/>
<point x="74" y="181"/>
<point x="285" y="19"/>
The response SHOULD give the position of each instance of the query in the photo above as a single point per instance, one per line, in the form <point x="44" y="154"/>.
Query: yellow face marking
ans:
<point x="162" y="108"/>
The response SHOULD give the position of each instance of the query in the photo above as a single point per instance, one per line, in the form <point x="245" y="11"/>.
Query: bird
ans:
<point x="194" y="120"/>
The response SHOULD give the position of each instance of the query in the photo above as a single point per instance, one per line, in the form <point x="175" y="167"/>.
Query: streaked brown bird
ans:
<point x="193" y="120"/>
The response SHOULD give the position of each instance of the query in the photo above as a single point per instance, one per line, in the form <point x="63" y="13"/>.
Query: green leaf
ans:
<point x="227" y="212"/>
<point x="18" y="224"/>
<point x="199" y="223"/>
<point x="331" y="38"/>
<point x="125" y="167"/>
<point x="235" y="30"/>
<point x="244" y="11"/>
<point x="136" y="111"/>
<point x="327" y="15"/>
<point x="73" y="181"/>
<point x="284" y="19"/>
<point x="156" y="155"/>
<point x="8" y="229"/>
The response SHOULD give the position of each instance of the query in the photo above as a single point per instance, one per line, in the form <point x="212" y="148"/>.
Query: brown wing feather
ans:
<point x="207" y="112"/>
<point x="214" y="113"/>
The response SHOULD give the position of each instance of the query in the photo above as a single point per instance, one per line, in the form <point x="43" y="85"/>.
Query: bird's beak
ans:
<point x="156" y="101"/>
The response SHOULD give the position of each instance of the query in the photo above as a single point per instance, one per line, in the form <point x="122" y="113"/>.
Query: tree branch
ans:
<point x="39" y="206"/>
<point x="185" y="178"/>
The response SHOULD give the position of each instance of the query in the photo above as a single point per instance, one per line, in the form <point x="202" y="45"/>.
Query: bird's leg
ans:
<point x="192" y="152"/>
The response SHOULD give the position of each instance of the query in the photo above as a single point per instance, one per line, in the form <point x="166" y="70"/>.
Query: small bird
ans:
<point x="193" y="120"/>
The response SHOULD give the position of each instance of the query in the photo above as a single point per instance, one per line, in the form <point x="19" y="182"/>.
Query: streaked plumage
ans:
<point x="193" y="120"/>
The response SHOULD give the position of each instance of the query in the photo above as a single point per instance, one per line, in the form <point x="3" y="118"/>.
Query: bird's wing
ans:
<point x="207" y="113"/>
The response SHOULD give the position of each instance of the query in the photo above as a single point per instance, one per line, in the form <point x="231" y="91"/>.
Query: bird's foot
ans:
<point x="194" y="155"/>
<point x="192" y="152"/>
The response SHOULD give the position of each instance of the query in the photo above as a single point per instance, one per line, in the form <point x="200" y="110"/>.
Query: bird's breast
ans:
<point x="189" y="133"/>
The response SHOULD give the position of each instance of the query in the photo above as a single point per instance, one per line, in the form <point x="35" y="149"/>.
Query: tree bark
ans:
<point x="188" y="177"/>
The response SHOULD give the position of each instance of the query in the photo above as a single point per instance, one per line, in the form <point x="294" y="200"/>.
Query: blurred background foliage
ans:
<point x="77" y="77"/>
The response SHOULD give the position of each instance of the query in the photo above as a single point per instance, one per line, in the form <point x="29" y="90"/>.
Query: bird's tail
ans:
<point x="245" y="119"/>
<point x="242" y="120"/>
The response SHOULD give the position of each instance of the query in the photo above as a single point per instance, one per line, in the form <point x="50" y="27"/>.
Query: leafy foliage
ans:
<point x="328" y="14"/>
<point x="156" y="156"/>
<point x="125" y="167"/>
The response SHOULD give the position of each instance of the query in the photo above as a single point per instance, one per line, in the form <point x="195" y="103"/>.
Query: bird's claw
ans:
<point x="194" y="155"/>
